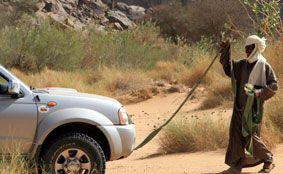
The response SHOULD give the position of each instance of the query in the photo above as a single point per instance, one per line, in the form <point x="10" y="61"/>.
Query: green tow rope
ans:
<point x="251" y="119"/>
<point x="156" y="131"/>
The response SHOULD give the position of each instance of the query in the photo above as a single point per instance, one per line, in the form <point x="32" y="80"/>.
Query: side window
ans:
<point x="3" y="80"/>
<point x="3" y="86"/>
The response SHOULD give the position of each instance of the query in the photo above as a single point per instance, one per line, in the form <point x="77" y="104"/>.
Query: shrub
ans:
<point x="201" y="18"/>
<point x="274" y="111"/>
<point x="273" y="54"/>
<point x="270" y="133"/>
<point x="50" y="78"/>
<point x="194" y="134"/>
<point x="192" y="74"/>
<point x="204" y="133"/>
<point x="167" y="70"/>
<point x="126" y="86"/>
<point x="31" y="48"/>
<point x="12" y="10"/>
<point x="218" y="94"/>
<point x="122" y="82"/>
<point x="15" y="163"/>
<point x="267" y="18"/>
<point x="124" y="50"/>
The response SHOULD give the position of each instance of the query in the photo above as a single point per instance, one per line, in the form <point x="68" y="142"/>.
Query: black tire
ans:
<point x="74" y="140"/>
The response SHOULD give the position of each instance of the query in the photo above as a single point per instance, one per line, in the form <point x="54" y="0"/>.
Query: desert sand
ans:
<point x="148" y="160"/>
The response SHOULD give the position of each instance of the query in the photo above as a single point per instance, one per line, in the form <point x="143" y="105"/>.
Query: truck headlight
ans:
<point x="124" y="117"/>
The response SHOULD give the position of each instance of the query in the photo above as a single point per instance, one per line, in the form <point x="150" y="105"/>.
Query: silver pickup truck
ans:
<point x="66" y="131"/>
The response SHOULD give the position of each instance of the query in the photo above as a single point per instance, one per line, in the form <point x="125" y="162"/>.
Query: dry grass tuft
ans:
<point x="274" y="111"/>
<point x="219" y="93"/>
<point x="204" y="134"/>
<point x="194" y="135"/>
<point x="15" y="162"/>
<point x="191" y="75"/>
<point x="51" y="78"/>
<point x="175" y="72"/>
<point x="274" y="107"/>
<point x="167" y="70"/>
<point x="126" y="86"/>
<point x="274" y="56"/>
<point x="123" y="81"/>
<point x="270" y="133"/>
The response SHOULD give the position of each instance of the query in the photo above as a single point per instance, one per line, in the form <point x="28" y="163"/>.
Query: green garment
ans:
<point x="251" y="118"/>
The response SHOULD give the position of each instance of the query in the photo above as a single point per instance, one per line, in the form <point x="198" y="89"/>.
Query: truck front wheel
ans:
<point x="74" y="153"/>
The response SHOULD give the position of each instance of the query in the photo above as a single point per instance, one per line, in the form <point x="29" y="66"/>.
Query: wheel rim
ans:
<point x="73" y="161"/>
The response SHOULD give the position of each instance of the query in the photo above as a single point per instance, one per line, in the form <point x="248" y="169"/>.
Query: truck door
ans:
<point x="18" y="121"/>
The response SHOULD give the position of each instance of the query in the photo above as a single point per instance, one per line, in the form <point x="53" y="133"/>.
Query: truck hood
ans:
<point x="74" y="93"/>
<point x="71" y="98"/>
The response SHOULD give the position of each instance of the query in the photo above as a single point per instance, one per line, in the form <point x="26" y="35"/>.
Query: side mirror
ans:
<point x="14" y="88"/>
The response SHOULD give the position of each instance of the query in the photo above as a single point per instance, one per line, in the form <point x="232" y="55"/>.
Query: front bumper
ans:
<point x="128" y="138"/>
<point x="121" y="139"/>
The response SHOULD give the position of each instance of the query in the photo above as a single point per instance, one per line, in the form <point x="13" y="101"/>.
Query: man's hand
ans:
<point x="257" y="92"/>
<point x="224" y="46"/>
<point x="225" y="51"/>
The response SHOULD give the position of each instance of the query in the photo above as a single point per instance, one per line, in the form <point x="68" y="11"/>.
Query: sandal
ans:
<point x="267" y="170"/>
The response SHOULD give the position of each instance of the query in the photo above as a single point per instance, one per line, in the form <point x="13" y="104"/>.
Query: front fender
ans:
<point x="65" y="116"/>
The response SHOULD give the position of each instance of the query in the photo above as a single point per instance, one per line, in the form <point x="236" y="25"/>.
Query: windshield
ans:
<point x="3" y="85"/>
<point x="14" y="77"/>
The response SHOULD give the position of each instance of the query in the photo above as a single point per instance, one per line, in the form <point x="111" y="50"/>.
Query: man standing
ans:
<point x="253" y="82"/>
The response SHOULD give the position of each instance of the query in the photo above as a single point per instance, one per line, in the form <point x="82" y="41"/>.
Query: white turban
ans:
<point x="259" y="42"/>
<point x="260" y="45"/>
<point x="257" y="76"/>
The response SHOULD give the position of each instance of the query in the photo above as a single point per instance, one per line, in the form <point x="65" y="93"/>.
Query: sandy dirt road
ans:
<point x="148" y="160"/>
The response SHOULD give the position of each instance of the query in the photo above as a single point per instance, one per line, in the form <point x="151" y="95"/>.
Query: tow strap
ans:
<point x="156" y="131"/>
